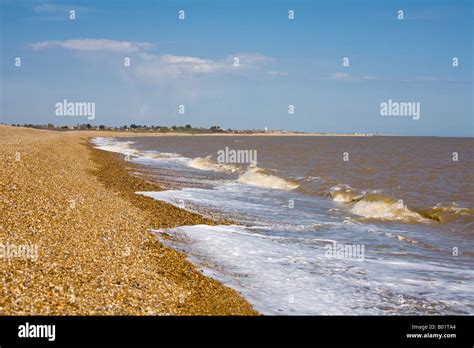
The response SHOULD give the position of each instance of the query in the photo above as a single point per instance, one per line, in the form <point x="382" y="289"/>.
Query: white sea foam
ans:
<point x="252" y="176"/>
<point x="385" y="211"/>
<point x="111" y="145"/>
<point x="226" y="197"/>
<point x="206" y="163"/>
<point x="374" y="205"/>
<point x="274" y="277"/>
<point x="257" y="177"/>
<point x="275" y="256"/>
<point x="278" y="277"/>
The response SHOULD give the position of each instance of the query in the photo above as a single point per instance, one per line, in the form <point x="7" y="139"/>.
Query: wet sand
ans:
<point x="96" y="256"/>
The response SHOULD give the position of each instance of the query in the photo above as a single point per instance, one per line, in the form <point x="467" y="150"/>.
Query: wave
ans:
<point x="385" y="208"/>
<point x="206" y="163"/>
<point x="125" y="148"/>
<point x="251" y="176"/>
<point x="345" y="196"/>
<point x="374" y="205"/>
<point x="111" y="145"/>
<point x="401" y="238"/>
<point x="447" y="213"/>
<point x="257" y="177"/>
<point x="367" y="204"/>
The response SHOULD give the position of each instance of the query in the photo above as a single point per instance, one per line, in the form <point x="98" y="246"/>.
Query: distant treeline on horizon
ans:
<point x="140" y="128"/>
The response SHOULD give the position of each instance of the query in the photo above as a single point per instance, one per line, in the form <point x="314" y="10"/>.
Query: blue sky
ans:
<point x="190" y="62"/>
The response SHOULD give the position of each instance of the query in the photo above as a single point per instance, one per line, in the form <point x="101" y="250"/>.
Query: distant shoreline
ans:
<point x="181" y="130"/>
<point x="205" y="132"/>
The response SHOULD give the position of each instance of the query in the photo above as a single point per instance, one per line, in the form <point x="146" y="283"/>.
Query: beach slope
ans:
<point x="75" y="206"/>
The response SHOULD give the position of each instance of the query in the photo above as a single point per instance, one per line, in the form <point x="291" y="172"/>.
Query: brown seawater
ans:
<point x="407" y="200"/>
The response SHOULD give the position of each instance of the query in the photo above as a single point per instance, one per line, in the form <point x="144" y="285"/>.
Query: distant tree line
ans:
<point x="132" y="128"/>
<point x="144" y="128"/>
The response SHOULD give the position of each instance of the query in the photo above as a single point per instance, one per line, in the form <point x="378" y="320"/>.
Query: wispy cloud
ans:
<point x="427" y="78"/>
<point x="57" y="12"/>
<point x="155" y="66"/>
<point x="341" y="76"/>
<point x="277" y="73"/>
<point x="92" y="45"/>
<point x="166" y="65"/>
<point x="44" y="8"/>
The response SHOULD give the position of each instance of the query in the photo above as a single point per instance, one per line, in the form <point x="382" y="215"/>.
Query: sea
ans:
<point x="322" y="225"/>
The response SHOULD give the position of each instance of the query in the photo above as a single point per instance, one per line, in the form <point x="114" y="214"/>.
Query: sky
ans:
<point x="282" y="62"/>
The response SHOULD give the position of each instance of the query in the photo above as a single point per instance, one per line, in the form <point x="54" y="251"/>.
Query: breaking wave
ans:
<point x="206" y="163"/>
<point x="373" y="205"/>
<point x="257" y="177"/>
<point x="445" y="213"/>
<point x="110" y="145"/>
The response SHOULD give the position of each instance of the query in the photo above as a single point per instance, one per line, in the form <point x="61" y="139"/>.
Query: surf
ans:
<point x="373" y="205"/>
<point x="258" y="177"/>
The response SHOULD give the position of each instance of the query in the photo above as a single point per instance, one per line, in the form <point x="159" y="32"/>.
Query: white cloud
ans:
<point x="92" y="45"/>
<point x="158" y="66"/>
<point x="340" y="76"/>
<point x="278" y="73"/>
<point x="50" y="11"/>
<point x="46" y="8"/>
<point x="427" y="78"/>
<point x="49" y="8"/>
<point x="155" y="67"/>
<point x="168" y="58"/>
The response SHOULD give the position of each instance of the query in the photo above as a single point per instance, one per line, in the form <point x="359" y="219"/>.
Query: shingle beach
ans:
<point x="75" y="237"/>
